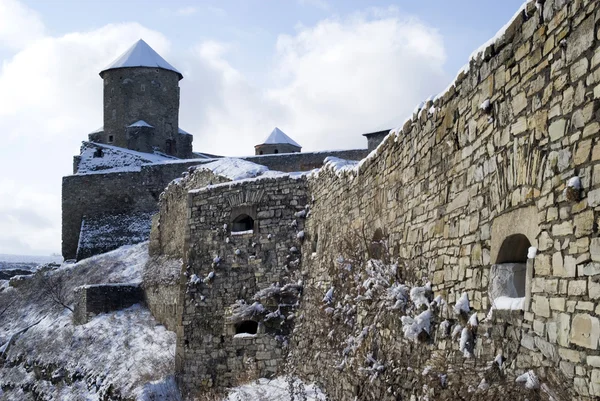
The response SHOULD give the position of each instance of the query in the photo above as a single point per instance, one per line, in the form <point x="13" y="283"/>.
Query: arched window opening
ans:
<point x="246" y="327"/>
<point x="508" y="277"/>
<point x="276" y="151"/>
<point x="242" y="223"/>
<point x="98" y="153"/>
<point x="513" y="249"/>
<point x="260" y="153"/>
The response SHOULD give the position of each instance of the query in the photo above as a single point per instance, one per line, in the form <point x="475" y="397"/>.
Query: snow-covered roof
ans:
<point x="141" y="123"/>
<point x="234" y="169"/>
<point x="183" y="132"/>
<point x="277" y="136"/>
<point x="141" y="55"/>
<point x="101" y="129"/>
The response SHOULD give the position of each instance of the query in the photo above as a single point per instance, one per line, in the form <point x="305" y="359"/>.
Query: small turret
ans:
<point x="277" y="142"/>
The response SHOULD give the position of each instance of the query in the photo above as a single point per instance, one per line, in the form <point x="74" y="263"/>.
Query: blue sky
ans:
<point x="254" y="25"/>
<point x="323" y="71"/>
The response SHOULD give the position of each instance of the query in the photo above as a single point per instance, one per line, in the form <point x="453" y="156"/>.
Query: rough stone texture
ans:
<point x="208" y="354"/>
<point x="148" y="94"/>
<point x="103" y="233"/>
<point x="430" y="196"/>
<point x="161" y="289"/>
<point x="138" y="191"/>
<point x="91" y="300"/>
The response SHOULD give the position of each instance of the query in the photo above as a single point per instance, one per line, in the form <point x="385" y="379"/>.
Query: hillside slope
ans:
<point x="124" y="355"/>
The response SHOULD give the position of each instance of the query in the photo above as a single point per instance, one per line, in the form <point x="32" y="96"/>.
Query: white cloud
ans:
<point x="50" y="98"/>
<point x="19" y="25"/>
<point x="186" y="11"/>
<point x="328" y="84"/>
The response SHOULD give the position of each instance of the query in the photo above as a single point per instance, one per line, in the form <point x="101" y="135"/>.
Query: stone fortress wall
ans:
<point x="473" y="180"/>
<point x="489" y="164"/>
<point x="240" y="239"/>
<point x="97" y="194"/>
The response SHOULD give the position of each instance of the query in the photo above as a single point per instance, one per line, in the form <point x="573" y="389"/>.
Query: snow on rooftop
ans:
<point x="277" y="136"/>
<point x="141" y="55"/>
<point x="101" y="129"/>
<point x="114" y="159"/>
<point x="183" y="132"/>
<point x="234" y="169"/>
<point x="141" y="123"/>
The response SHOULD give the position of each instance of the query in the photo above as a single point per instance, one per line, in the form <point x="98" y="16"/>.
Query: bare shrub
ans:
<point x="53" y="287"/>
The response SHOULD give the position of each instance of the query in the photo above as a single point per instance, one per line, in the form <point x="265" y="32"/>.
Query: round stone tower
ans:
<point x="141" y="86"/>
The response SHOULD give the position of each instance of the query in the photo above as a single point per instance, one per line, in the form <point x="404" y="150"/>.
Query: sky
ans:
<point x="323" y="71"/>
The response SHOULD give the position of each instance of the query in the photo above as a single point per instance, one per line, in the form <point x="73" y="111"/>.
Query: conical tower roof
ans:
<point x="141" y="55"/>
<point x="277" y="136"/>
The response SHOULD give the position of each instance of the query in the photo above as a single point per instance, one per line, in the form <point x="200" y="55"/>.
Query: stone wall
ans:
<point x="449" y="187"/>
<point x="99" y="194"/>
<point x="271" y="149"/>
<point x="168" y="231"/>
<point x="91" y="300"/>
<point x="94" y="195"/>
<point x="161" y="289"/>
<point x="227" y="267"/>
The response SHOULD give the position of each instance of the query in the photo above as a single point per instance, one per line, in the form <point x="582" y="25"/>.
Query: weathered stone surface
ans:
<point x="585" y="331"/>
<point x="557" y="129"/>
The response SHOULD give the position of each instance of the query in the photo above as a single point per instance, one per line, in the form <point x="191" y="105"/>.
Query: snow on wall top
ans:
<point x="179" y="130"/>
<point x="141" y="55"/>
<point x="475" y="55"/>
<point x="234" y="169"/>
<point x="277" y="136"/>
<point x="141" y="123"/>
<point x="101" y="129"/>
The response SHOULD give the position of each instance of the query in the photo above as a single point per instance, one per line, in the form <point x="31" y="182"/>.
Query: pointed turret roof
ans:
<point x="277" y="136"/>
<point x="141" y="55"/>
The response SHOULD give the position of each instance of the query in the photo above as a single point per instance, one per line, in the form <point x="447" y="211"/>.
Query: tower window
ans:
<point x="111" y="139"/>
<point x="260" y="153"/>
<point x="276" y="151"/>
<point x="143" y="88"/>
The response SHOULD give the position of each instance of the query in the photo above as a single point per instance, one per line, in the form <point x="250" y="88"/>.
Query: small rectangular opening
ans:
<point x="111" y="139"/>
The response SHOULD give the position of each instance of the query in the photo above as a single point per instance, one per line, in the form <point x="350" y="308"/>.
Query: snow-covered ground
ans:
<point x="47" y="357"/>
<point x="120" y="354"/>
<point x="277" y="389"/>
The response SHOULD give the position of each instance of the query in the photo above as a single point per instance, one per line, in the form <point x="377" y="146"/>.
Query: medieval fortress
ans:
<point x="466" y="241"/>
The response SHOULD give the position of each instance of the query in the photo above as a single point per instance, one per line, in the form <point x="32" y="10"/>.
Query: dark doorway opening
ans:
<point x="246" y="327"/>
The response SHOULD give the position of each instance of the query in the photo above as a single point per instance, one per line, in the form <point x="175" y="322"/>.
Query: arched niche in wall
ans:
<point x="243" y="222"/>
<point x="511" y="273"/>
<point x="243" y="219"/>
